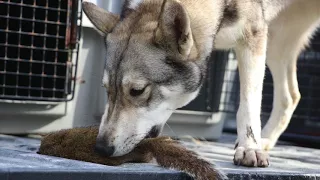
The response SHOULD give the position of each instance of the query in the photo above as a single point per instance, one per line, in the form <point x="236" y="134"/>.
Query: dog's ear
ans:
<point x="174" y="30"/>
<point x="104" y="21"/>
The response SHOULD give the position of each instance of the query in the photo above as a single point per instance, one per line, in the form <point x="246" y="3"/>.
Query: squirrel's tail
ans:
<point x="169" y="154"/>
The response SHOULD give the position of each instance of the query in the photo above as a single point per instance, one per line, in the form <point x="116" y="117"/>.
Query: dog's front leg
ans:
<point x="251" y="54"/>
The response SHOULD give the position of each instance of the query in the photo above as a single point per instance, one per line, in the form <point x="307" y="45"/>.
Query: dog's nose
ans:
<point x="103" y="148"/>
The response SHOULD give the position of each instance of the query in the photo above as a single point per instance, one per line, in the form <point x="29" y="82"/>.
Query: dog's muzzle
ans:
<point x="103" y="148"/>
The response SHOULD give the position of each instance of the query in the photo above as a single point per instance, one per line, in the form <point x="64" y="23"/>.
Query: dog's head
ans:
<point x="149" y="71"/>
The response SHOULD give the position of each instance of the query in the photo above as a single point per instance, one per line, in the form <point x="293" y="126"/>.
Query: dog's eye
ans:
<point x="136" y="92"/>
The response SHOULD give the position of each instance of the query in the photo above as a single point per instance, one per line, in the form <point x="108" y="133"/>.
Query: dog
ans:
<point x="157" y="53"/>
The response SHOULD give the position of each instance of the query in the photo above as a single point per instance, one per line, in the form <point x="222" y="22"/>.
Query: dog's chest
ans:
<point x="228" y="36"/>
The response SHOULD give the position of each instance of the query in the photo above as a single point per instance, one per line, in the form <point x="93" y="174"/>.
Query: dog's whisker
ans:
<point x="171" y="129"/>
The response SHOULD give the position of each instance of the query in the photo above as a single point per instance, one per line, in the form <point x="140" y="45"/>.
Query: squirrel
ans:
<point x="78" y="144"/>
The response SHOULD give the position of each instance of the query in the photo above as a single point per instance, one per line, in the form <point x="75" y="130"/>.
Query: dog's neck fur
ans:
<point x="205" y="20"/>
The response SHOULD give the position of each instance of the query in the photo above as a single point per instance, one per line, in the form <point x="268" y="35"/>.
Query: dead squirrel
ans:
<point x="78" y="144"/>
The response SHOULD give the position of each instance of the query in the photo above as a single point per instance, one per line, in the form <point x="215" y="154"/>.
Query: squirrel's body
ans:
<point x="78" y="144"/>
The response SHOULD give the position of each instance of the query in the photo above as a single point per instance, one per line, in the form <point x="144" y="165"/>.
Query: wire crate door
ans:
<point x="38" y="49"/>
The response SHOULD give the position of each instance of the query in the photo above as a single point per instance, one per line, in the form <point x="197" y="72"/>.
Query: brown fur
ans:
<point x="78" y="143"/>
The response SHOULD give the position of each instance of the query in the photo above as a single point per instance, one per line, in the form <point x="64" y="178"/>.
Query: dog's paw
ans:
<point x="251" y="157"/>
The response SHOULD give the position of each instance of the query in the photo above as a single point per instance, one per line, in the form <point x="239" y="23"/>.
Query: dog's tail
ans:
<point x="169" y="154"/>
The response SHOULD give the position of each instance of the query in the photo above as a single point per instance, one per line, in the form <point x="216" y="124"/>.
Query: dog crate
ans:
<point x="305" y="123"/>
<point x="38" y="39"/>
<point x="39" y="45"/>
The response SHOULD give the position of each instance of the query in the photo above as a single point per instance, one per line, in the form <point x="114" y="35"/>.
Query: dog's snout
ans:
<point x="103" y="147"/>
<point x="104" y="150"/>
